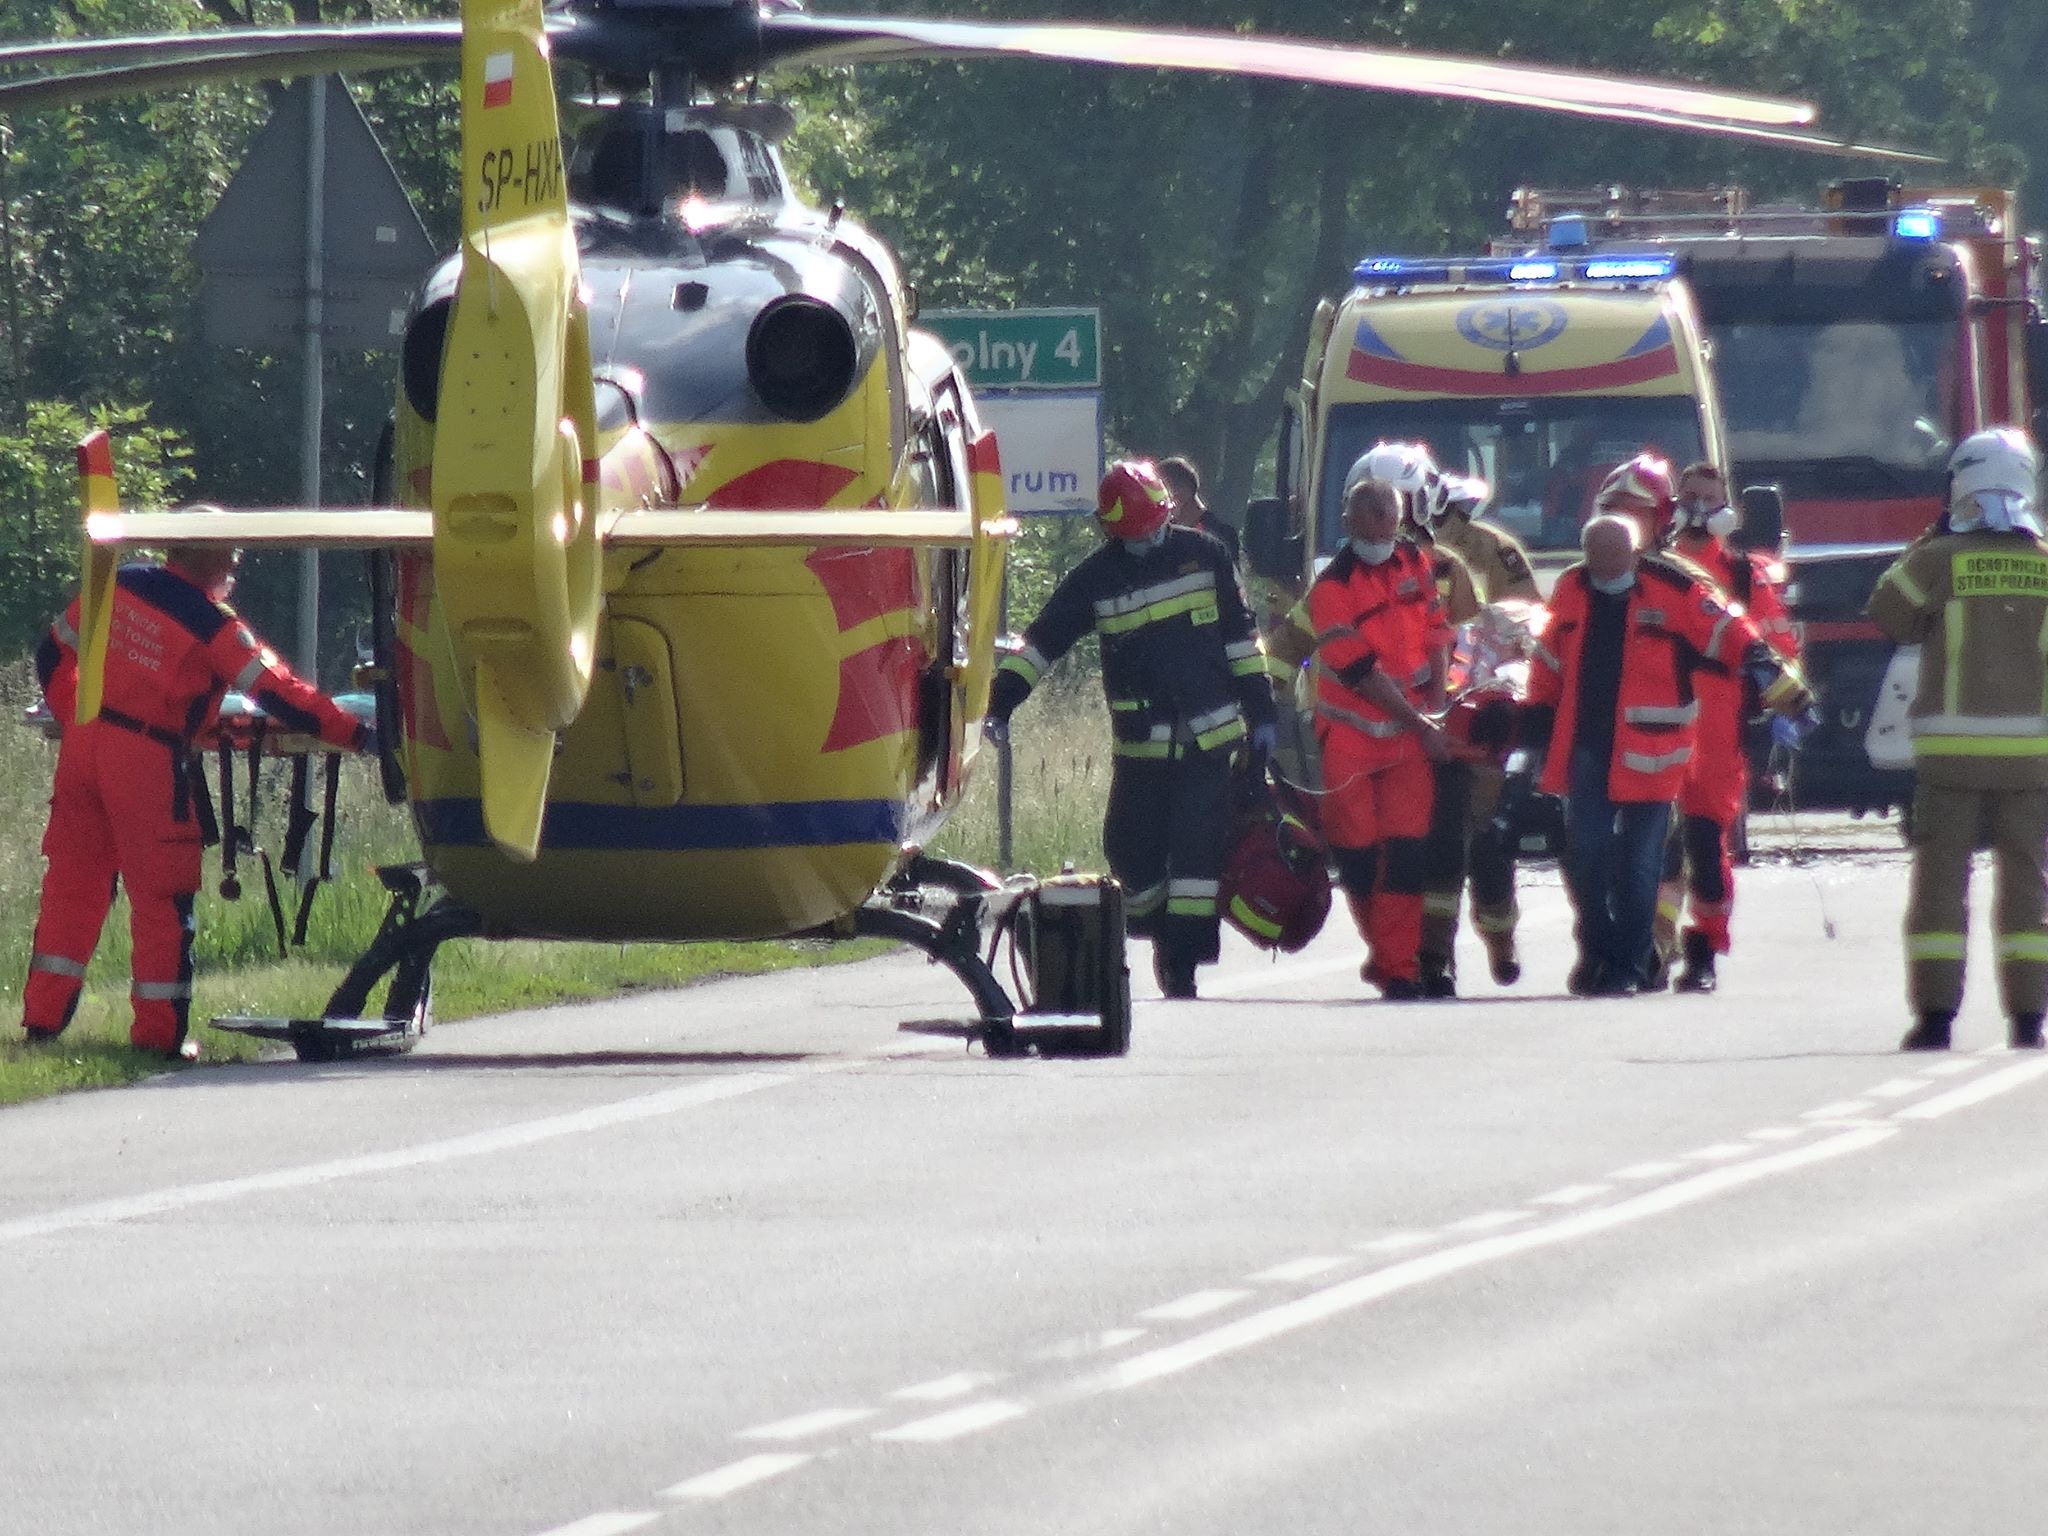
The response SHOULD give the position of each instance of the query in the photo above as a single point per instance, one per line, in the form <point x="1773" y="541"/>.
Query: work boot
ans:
<point x="1656" y="973"/>
<point x="1176" y="978"/>
<point x="1698" y="975"/>
<point x="1931" y="1033"/>
<point x="1438" y="980"/>
<point x="1500" y="958"/>
<point x="1399" y="989"/>
<point x="2026" y="1032"/>
<point x="34" y="1037"/>
<point x="1584" y="977"/>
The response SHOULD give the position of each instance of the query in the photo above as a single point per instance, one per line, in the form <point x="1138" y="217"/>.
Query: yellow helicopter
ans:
<point x="685" y="594"/>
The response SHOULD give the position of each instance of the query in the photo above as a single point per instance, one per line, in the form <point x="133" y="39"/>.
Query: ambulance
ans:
<point x="1539" y="371"/>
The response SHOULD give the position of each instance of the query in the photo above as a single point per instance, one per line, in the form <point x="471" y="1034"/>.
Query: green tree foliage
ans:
<point x="39" y="512"/>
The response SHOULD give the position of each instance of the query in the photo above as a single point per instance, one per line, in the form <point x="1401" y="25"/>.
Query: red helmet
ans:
<point x="1133" y="502"/>
<point x="1644" y="485"/>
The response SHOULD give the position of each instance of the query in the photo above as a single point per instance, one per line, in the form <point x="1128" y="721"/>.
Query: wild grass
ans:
<point x="1061" y="782"/>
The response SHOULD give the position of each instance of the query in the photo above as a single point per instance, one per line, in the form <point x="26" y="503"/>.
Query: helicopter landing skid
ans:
<point x="947" y="910"/>
<point x="404" y="949"/>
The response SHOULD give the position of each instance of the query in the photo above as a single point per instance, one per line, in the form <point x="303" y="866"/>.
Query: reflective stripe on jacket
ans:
<point x="1676" y="624"/>
<point x="1374" y="618"/>
<point x="1977" y="606"/>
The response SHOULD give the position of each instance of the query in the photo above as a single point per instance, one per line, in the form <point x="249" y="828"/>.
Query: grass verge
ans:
<point x="1061" y="784"/>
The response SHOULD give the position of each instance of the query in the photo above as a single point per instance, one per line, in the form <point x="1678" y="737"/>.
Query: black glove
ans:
<point x="1536" y="723"/>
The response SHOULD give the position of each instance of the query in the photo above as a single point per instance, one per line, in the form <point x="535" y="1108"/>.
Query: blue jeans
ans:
<point x="1613" y="856"/>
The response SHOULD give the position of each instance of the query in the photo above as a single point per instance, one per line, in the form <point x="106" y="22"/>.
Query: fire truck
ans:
<point x="1853" y="344"/>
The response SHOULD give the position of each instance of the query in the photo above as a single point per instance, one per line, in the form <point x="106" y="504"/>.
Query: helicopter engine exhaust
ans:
<point x="806" y="352"/>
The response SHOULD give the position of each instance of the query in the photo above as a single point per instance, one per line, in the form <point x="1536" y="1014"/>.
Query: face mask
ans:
<point x="1613" y="586"/>
<point x="1147" y="544"/>
<point x="1376" y="552"/>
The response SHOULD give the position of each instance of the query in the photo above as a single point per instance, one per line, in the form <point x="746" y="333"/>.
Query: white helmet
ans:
<point x="1407" y="467"/>
<point x="1994" y="483"/>
<point x="1455" y="493"/>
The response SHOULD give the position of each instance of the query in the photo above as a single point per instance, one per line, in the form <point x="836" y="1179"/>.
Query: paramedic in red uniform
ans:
<point x="1698" y="863"/>
<point x="1611" y="690"/>
<point x="122" y="805"/>
<point x="1382" y="648"/>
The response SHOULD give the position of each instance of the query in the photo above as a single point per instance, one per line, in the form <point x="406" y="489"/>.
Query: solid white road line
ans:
<point x="1640" y="1171"/>
<point x="1719" y="1152"/>
<point x="731" y="1478"/>
<point x="613" y="1524"/>
<point x="1320" y="1306"/>
<point x="1975" y="1092"/>
<point x="1395" y="1242"/>
<point x="1488" y="1221"/>
<point x="1573" y="1194"/>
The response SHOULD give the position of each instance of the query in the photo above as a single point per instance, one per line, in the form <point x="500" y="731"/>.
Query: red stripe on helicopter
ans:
<point x="784" y="483"/>
<point x="877" y="693"/>
<point x="984" y="457"/>
<point x="864" y="584"/>
<point x="416" y="695"/>
<point x="1393" y="373"/>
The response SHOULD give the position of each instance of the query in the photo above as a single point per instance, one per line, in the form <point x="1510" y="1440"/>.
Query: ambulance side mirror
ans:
<point x="1763" y="519"/>
<point x="1272" y="548"/>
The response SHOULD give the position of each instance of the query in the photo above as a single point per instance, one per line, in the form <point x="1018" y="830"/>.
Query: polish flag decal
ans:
<point x="498" y="80"/>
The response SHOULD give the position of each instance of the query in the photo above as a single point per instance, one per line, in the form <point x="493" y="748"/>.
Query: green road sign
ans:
<point x="1023" y="348"/>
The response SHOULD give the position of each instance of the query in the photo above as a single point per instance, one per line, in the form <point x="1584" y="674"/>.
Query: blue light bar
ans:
<point x="1917" y="224"/>
<point x="1408" y="271"/>
<point x="1630" y="268"/>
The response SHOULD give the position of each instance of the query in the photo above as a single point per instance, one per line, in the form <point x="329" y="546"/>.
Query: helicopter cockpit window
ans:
<point x="607" y="167"/>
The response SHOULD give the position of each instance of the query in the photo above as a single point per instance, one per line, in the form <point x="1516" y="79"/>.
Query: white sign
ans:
<point x="1051" y="448"/>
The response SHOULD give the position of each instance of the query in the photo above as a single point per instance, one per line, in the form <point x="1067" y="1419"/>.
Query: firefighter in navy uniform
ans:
<point x="122" y="803"/>
<point x="1184" y="678"/>
<point x="1974" y="596"/>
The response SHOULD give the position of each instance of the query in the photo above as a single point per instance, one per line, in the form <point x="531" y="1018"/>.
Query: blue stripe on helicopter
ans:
<point x="572" y="826"/>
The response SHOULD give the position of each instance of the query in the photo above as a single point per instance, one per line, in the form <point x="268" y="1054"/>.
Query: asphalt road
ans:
<point x="750" y="1258"/>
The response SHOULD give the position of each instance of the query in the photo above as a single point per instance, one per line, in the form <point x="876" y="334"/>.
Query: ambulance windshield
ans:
<point x="1545" y="458"/>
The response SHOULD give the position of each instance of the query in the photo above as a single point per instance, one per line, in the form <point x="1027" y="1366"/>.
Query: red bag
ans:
<point x="1276" y="880"/>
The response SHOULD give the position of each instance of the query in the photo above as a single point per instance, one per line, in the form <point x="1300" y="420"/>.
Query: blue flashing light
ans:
<point x="1412" y="271"/>
<point x="1630" y="268"/>
<point x="1917" y="224"/>
<point x="1568" y="232"/>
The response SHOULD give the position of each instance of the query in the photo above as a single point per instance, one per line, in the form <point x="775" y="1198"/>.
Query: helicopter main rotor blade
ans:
<point x="830" y="39"/>
<point x="140" y="65"/>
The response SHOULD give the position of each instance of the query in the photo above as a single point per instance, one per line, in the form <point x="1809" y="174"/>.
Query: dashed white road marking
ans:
<point x="1843" y="1109"/>
<point x="744" y="1473"/>
<point x="1720" y="1152"/>
<point x="1395" y="1242"/>
<point x="2003" y="1081"/>
<point x="1954" y="1066"/>
<point x="959" y="1384"/>
<point x="1777" y="1133"/>
<point x="1347" y="1295"/>
<point x="1898" y="1088"/>
<point x="1198" y="1304"/>
<point x="1297" y="1269"/>
<point x="1091" y="1344"/>
<point x="1641" y="1171"/>
<point x="613" y="1523"/>
<point x="803" y="1426"/>
<point x="952" y="1425"/>
<point x="1573" y="1194"/>
<point x="1489" y="1221"/>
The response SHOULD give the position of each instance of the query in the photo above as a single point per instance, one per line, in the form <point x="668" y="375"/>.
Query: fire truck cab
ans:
<point x="1853" y="345"/>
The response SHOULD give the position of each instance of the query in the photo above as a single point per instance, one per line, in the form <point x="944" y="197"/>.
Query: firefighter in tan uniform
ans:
<point x="1973" y="594"/>
<point x="1463" y="840"/>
